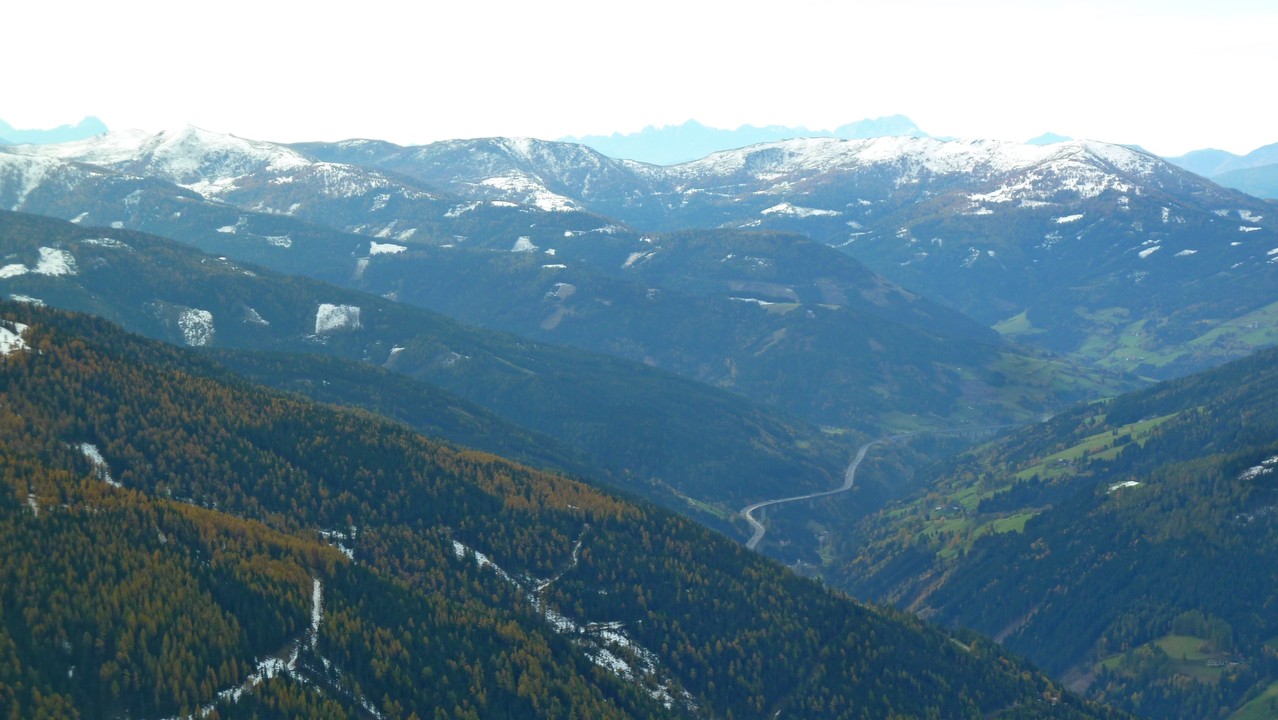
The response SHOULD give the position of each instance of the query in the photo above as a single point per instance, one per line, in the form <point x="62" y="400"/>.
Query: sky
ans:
<point x="1169" y="75"/>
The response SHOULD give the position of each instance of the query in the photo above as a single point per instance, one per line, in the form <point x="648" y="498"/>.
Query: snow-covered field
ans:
<point x="332" y="318"/>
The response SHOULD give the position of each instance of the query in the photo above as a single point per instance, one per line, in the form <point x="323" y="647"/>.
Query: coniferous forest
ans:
<point x="172" y="533"/>
<point x="894" y="427"/>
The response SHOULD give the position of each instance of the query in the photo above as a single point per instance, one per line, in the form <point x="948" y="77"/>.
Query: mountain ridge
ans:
<point x="674" y="144"/>
<point x="1255" y="173"/>
<point x="376" y="557"/>
<point x="87" y="127"/>
<point x="973" y="221"/>
<point x="605" y="270"/>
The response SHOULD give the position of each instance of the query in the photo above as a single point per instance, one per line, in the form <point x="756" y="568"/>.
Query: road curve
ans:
<point x="849" y="477"/>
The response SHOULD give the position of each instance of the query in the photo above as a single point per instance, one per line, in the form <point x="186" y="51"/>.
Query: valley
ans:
<point x="849" y="477"/>
<point x="922" y="371"/>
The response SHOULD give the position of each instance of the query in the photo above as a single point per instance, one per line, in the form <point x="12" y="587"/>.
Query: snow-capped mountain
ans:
<point x="275" y="179"/>
<point x="553" y="176"/>
<point x="696" y="305"/>
<point x="1089" y="248"/>
<point x="1076" y="245"/>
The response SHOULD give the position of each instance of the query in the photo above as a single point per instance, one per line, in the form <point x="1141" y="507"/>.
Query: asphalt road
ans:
<point x="849" y="477"/>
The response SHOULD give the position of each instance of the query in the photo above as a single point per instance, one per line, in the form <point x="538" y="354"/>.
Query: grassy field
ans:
<point x="1017" y="325"/>
<point x="1185" y="647"/>
<point x="1264" y="707"/>
<point x="1117" y="344"/>
<point x="1101" y="446"/>
<point x="1187" y="658"/>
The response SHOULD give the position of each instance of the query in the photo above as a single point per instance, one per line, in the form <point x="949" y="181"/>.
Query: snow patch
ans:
<point x="281" y="241"/>
<point x="1149" y="251"/>
<point x="100" y="469"/>
<point x="376" y="248"/>
<point x="530" y="191"/>
<point x="523" y="244"/>
<point x="1186" y="253"/>
<point x="561" y="291"/>
<point x="636" y="257"/>
<point x="1124" y="484"/>
<point x="1264" y="468"/>
<point x="107" y="242"/>
<point x="11" y="337"/>
<point x="459" y="210"/>
<point x="1247" y="216"/>
<point x="606" y="643"/>
<point x="788" y="210"/>
<point x="252" y="316"/>
<point x="27" y="299"/>
<point x="196" y="326"/>
<point x="1247" y="228"/>
<point x="332" y="318"/>
<point x="54" y="262"/>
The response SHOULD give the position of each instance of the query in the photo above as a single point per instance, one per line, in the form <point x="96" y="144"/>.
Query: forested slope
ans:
<point x="652" y="431"/>
<point x="1131" y="543"/>
<point x="178" y="525"/>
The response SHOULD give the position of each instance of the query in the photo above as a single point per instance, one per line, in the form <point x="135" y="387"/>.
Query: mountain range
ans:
<point x="1255" y="173"/>
<point x="674" y="144"/>
<point x="516" y="255"/>
<point x="1101" y="252"/>
<point x="86" y="128"/>
<point x="744" y="327"/>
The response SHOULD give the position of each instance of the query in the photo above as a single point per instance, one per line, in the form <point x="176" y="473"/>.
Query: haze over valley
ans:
<point x="553" y="360"/>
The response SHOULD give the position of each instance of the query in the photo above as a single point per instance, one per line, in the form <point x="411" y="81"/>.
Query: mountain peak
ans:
<point x="183" y="154"/>
<point x="674" y="144"/>
<point x="1048" y="138"/>
<point x="88" y="127"/>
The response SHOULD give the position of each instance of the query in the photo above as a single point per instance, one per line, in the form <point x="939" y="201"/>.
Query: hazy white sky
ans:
<point x="1170" y="75"/>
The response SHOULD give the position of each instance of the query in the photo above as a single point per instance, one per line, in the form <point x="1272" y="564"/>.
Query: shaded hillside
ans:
<point x="775" y="317"/>
<point x="1097" y="250"/>
<point x="1097" y="542"/>
<point x="657" y="434"/>
<point x="460" y="585"/>
<point x="513" y="250"/>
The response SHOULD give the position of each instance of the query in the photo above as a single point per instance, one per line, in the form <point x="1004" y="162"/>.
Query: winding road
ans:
<point x="849" y="477"/>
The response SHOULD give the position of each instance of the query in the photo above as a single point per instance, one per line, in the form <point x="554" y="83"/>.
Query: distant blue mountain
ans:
<point x="86" y="128"/>
<point x="673" y="144"/>
<point x="1255" y="173"/>
<point x="1048" y="138"/>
